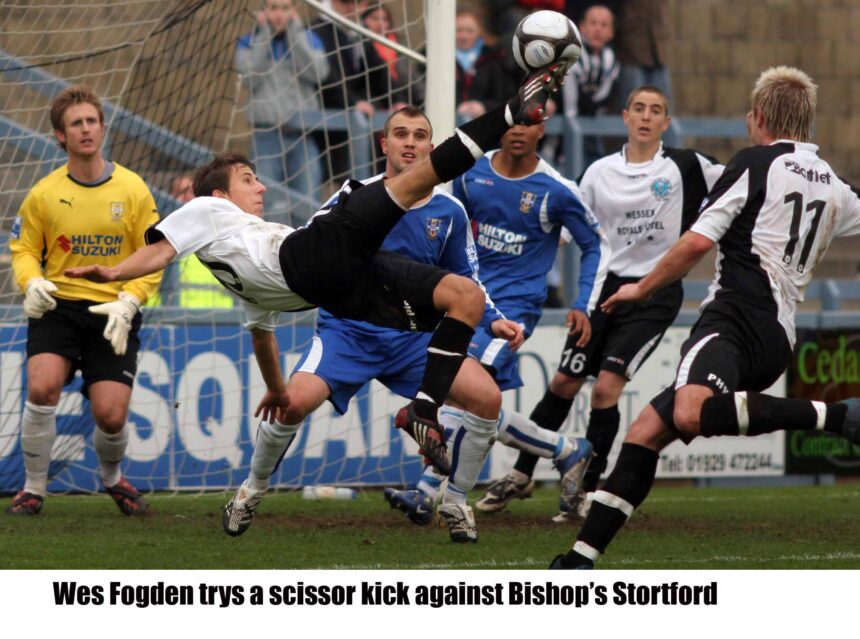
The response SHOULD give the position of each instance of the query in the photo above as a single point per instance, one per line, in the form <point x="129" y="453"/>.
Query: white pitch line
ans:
<point x="543" y="563"/>
<point x="749" y="497"/>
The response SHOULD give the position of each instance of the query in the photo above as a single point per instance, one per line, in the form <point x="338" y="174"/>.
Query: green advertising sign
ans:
<point x="826" y="368"/>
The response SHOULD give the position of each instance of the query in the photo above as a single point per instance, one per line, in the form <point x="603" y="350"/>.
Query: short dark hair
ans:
<point x="69" y="97"/>
<point x="410" y="112"/>
<point x="215" y="176"/>
<point x="647" y="89"/>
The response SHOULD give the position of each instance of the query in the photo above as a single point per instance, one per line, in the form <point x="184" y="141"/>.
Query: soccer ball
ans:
<point x="544" y="37"/>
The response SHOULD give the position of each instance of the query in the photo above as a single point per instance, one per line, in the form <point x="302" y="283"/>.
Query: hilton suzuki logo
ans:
<point x="64" y="243"/>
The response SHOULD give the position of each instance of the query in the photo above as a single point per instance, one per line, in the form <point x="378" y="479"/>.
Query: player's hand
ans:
<point x="626" y="293"/>
<point x="119" y="316"/>
<point x="577" y="322"/>
<point x="509" y="330"/>
<point x="273" y="406"/>
<point x="93" y="273"/>
<point x="38" y="299"/>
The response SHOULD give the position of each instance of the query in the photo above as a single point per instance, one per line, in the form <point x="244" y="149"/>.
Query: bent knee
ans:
<point x="43" y="396"/>
<point x="565" y="386"/>
<point x="297" y="412"/>
<point x="687" y="420"/>
<point x="467" y="297"/>
<point x="602" y="395"/>
<point x="111" y="422"/>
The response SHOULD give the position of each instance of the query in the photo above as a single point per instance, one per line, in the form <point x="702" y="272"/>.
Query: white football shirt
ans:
<point x="241" y="251"/>
<point x="644" y="208"/>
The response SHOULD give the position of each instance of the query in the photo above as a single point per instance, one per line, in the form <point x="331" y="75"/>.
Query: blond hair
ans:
<point x="786" y="97"/>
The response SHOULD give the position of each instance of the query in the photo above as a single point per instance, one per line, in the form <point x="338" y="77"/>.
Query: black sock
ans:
<point x="550" y="413"/>
<point x="724" y="414"/>
<point x="602" y="429"/>
<point x="630" y="480"/>
<point x="445" y="353"/>
<point x="454" y="156"/>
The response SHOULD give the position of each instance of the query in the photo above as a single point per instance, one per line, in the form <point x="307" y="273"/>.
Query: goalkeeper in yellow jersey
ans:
<point x="90" y="211"/>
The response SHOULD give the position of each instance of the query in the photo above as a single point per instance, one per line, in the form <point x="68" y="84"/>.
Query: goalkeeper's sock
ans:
<point x="517" y="431"/>
<point x="602" y="429"/>
<point x="472" y="442"/>
<point x="110" y="448"/>
<point x="549" y="414"/>
<point x="38" y="432"/>
<point x="457" y="154"/>
<point x="273" y="441"/>
<point x="624" y="491"/>
<point x="751" y="414"/>
<point x="445" y="353"/>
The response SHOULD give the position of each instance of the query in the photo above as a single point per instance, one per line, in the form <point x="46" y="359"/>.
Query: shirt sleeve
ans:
<point x="260" y="318"/>
<point x="849" y="223"/>
<point x="191" y="227"/>
<point x="145" y="216"/>
<point x="724" y="202"/>
<point x="27" y="242"/>
<point x="583" y="228"/>
<point x="459" y="190"/>
<point x="711" y="169"/>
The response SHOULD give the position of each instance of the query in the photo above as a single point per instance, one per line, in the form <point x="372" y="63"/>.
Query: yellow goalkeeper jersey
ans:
<point x="64" y="223"/>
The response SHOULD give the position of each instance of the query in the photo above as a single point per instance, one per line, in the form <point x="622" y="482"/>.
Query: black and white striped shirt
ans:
<point x="774" y="212"/>
<point x="589" y="82"/>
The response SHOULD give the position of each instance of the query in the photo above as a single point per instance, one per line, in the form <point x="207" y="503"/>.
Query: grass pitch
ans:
<point x="814" y="527"/>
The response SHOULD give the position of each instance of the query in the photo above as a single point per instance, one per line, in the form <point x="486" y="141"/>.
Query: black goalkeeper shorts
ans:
<point x="71" y="331"/>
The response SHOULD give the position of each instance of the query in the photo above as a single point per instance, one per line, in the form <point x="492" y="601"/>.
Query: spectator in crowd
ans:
<point x="282" y="63"/>
<point x="642" y="46"/>
<point x="483" y="77"/>
<point x="345" y="89"/>
<point x="387" y="70"/>
<point x="591" y="80"/>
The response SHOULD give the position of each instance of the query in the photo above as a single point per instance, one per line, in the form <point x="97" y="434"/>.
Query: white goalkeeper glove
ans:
<point x="37" y="298"/>
<point x="119" y="314"/>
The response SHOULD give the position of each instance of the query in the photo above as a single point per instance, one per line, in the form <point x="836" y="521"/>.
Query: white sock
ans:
<point x="38" y="432"/>
<point x="470" y="445"/>
<point x="518" y="431"/>
<point x="110" y="448"/>
<point x="450" y="419"/>
<point x="271" y="445"/>
<point x="430" y="482"/>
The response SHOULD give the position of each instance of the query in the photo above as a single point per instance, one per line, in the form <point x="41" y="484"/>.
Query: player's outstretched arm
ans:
<point x="673" y="266"/>
<point x="143" y="261"/>
<point x="267" y="353"/>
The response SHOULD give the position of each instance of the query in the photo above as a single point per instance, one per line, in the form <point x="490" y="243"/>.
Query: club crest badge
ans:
<point x="117" y="210"/>
<point x="661" y="188"/>
<point x="527" y="201"/>
<point x="434" y="224"/>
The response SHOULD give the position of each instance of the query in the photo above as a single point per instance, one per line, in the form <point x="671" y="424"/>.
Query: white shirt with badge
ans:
<point x="641" y="206"/>
<point x="241" y="251"/>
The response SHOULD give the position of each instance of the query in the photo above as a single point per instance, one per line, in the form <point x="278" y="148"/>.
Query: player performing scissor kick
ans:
<point x="334" y="261"/>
